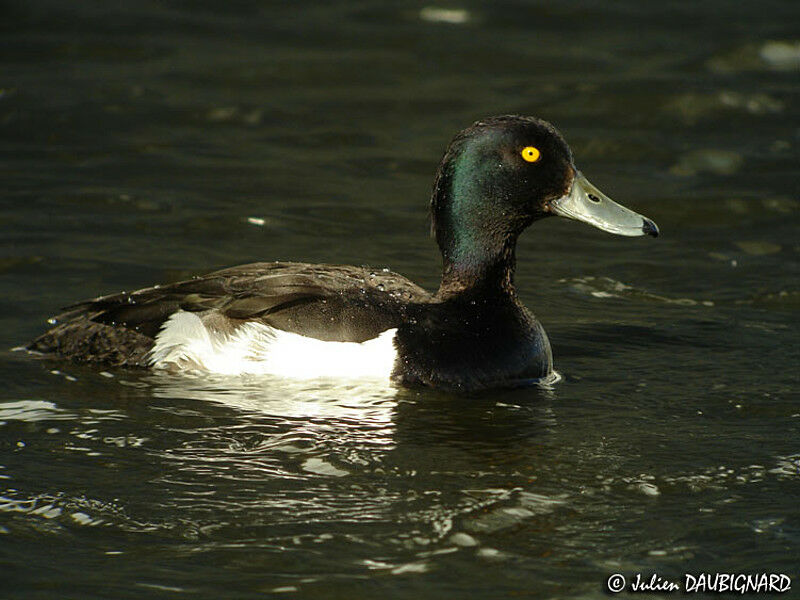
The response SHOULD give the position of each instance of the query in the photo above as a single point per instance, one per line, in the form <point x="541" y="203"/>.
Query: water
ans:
<point x="143" y="142"/>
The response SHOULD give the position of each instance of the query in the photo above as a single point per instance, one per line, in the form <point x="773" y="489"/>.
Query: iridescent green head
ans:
<point x="503" y="173"/>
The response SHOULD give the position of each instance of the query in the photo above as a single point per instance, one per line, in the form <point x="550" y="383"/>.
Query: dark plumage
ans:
<point x="336" y="303"/>
<point x="495" y="179"/>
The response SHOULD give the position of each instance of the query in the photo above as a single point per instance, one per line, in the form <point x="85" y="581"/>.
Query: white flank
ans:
<point x="185" y="343"/>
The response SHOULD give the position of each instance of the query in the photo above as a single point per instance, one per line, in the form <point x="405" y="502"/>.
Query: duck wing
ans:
<point x="327" y="302"/>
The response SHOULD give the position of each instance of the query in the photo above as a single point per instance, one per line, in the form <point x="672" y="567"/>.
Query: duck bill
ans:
<point x="586" y="203"/>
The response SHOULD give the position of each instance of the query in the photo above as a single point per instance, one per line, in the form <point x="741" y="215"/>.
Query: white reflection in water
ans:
<point x="366" y="402"/>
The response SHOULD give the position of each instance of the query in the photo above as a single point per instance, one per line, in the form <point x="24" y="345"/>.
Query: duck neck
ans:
<point x="482" y="266"/>
<point x="474" y="229"/>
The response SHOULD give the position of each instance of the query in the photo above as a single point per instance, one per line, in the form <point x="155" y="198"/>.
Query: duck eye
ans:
<point x="530" y="154"/>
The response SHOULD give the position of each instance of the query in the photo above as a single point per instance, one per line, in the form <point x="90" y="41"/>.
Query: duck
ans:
<point x="306" y="321"/>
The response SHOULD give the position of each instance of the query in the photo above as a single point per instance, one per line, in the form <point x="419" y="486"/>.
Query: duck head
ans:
<point x="502" y="174"/>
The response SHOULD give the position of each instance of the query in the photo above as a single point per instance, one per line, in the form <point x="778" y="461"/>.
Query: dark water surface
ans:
<point x="137" y="140"/>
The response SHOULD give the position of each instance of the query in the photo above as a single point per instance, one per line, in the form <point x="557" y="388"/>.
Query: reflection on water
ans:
<point x="299" y="469"/>
<point x="366" y="402"/>
<point x="385" y="482"/>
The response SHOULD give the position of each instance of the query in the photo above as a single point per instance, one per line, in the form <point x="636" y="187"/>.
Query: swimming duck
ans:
<point x="303" y="320"/>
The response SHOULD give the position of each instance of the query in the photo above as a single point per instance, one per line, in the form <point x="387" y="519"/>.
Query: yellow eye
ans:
<point x="530" y="154"/>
